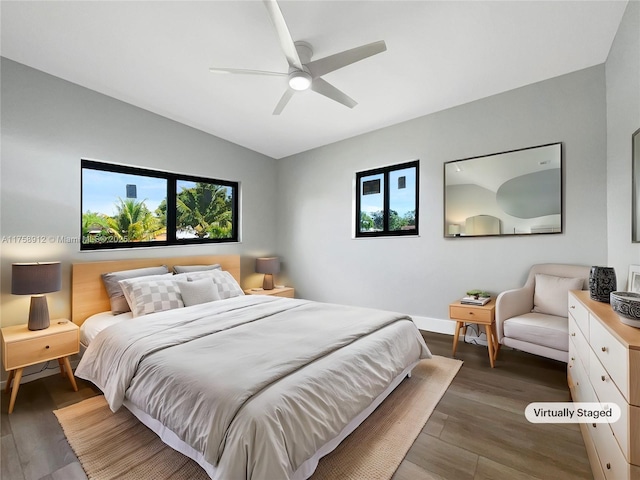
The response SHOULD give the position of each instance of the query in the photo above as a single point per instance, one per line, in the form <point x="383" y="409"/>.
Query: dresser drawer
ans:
<point x="612" y="354"/>
<point x="470" y="314"/>
<point x="607" y="392"/>
<point x="582" y="349"/>
<point x="582" y="386"/>
<point x="29" y="351"/>
<point x="610" y="456"/>
<point x="580" y="314"/>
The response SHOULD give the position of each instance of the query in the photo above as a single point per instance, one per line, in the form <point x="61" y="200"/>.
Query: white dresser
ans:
<point x="604" y="366"/>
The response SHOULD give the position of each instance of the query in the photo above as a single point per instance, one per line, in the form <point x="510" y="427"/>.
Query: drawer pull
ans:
<point x="572" y="306"/>
<point x="573" y="358"/>
<point x="608" y="466"/>
<point x="573" y="334"/>
<point x="604" y="349"/>
<point x="603" y="378"/>
<point x="594" y="425"/>
<point x="47" y="346"/>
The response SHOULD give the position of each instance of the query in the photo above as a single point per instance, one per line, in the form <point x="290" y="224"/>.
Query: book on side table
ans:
<point x="475" y="301"/>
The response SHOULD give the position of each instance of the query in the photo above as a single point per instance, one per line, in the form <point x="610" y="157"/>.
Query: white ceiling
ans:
<point x="156" y="55"/>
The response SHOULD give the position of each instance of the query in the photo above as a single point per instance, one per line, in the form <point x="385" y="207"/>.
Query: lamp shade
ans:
<point x="268" y="265"/>
<point x="35" y="278"/>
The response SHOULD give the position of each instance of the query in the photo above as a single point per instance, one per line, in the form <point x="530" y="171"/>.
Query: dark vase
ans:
<point x="602" y="281"/>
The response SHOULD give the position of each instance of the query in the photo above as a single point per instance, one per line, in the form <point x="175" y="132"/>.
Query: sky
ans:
<point x="401" y="200"/>
<point x="100" y="190"/>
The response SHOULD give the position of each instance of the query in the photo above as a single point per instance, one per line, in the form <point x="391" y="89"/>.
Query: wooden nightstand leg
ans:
<point x="72" y="379"/>
<point x="16" y="386"/>
<point x="456" y="336"/>
<point x="496" y="344"/>
<point x="61" y="364"/>
<point x="487" y="329"/>
<point x="8" y="386"/>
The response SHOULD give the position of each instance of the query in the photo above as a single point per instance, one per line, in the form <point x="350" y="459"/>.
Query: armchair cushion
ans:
<point x="551" y="294"/>
<point x="539" y="329"/>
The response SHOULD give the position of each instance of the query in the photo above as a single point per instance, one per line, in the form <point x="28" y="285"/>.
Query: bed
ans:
<point x="250" y="387"/>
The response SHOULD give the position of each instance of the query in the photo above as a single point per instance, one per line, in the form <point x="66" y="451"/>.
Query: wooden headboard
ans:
<point x="88" y="295"/>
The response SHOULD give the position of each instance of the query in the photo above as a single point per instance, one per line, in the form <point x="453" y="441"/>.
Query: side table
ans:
<point x="480" y="314"/>
<point x="22" y="347"/>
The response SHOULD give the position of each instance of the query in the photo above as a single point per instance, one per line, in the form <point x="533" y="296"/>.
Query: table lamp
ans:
<point x="268" y="266"/>
<point x="36" y="279"/>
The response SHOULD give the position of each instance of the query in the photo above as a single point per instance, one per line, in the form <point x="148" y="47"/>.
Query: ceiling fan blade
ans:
<point x="286" y="42"/>
<point x="246" y="72"/>
<point x="334" y="62"/>
<point x="325" y="88"/>
<point x="286" y="96"/>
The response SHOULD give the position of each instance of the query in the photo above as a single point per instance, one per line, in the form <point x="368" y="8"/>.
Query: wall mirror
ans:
<point x="510" y="193"/>
<point x="635" y="168"/>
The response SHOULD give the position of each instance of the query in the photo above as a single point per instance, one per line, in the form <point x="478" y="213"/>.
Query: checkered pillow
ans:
<point x="151" y="296"/>
<point x="223" y="280"/>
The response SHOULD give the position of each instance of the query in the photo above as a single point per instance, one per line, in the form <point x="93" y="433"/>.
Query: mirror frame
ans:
<point x="560" y="230"/>
<point x="635" y="186"/>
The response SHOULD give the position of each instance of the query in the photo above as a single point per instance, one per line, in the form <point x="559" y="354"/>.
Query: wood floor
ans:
<point x="478" y="431"/>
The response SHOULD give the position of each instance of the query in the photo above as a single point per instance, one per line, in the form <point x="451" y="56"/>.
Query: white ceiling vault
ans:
<point x="156" y="55"/>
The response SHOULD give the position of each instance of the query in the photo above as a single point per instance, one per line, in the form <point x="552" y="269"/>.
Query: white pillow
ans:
<point x="551" y="294"/>
<point x="224" y="281"/>
<point x="198" y="291"/>
<point x="151" y="295"/>
<point x="125" y="292"/>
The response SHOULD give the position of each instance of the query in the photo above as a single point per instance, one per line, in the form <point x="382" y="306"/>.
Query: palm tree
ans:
<point x="205" y="210"/>
<point x="133" y="221"/>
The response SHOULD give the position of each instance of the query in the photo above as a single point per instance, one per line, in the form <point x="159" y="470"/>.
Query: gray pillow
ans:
<point x="195" y="268"/>
<point x="114" y="290"/>
<point x="198" y="291"/>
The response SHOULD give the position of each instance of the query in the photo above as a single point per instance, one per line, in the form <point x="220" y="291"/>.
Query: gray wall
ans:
<point x="49" y="124"/>
<point x="623" y="118"/>
<point x="422" y="275"/>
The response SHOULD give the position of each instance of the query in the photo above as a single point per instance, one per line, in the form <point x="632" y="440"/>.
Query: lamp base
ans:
<point x="267" y="283"/>
<point x="38" y="313"/>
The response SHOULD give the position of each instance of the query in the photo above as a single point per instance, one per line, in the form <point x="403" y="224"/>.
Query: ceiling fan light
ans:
<point x="299" y="80"/>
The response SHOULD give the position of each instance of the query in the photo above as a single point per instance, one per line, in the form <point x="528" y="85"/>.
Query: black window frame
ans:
<point x="385" y="171"/>
<point x="172" y="181"/>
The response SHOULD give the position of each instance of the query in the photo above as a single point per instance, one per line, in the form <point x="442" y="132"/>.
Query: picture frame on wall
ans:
<point x="633" y="283"/>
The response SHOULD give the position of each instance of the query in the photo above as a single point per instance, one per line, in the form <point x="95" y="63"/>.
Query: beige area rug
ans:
<point x="117" y="446"/>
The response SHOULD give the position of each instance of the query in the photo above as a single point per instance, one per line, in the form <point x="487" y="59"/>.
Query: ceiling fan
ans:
<point x="304" y="73"/>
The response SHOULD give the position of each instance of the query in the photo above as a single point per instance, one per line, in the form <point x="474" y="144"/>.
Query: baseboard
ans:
<point x="41" y="370"/>
<point x="436" y="325"/>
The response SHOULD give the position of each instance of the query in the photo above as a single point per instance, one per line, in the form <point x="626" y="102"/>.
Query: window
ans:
<point x="133" y="207"/>
<point x="387" y="201"/>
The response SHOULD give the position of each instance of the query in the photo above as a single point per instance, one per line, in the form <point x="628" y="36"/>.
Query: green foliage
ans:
<point x="205" y="210"/>
<point x="375" y="221"/>
<point x="478" y="293"/>
<point x="134" y="222"/>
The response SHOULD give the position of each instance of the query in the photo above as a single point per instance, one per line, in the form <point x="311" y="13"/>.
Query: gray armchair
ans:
<point x="534" y="318"/>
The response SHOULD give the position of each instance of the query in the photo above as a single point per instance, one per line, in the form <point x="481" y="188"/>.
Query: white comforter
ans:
<point x="256" y="384"/>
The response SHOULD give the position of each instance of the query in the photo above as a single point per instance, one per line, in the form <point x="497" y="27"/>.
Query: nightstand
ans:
<point x="288" y="292"/>
<point x="22" y="347"/>
<point x="480" y="314"/>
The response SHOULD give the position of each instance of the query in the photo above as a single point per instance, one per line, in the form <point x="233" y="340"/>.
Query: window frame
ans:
<point x="385" y="172"/>
<point x="172" y="180"/>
